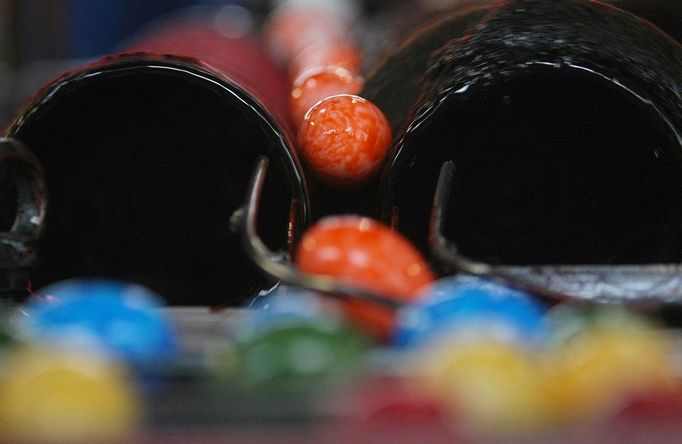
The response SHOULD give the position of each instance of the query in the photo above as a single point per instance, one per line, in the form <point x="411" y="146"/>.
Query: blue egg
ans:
<point x="288" y="300"/>
<point x="286" y="306"/>
<point x="470" y="305"/>
<point x="124" y="319"/>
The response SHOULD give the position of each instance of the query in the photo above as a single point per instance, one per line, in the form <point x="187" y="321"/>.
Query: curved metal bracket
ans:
<point x="25" y="171"/>
<point x="633" y="284"/>
<point x="278" y="265"/>
<point x="18" y="245"/>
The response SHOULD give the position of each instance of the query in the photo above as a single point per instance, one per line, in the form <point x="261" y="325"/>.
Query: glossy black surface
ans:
<point x="563" y="119"/>
<point x="146" y="160"/>
<point x="551" y="167"/>
<point x="665" y="14"/>
<point x="8" y="200"/>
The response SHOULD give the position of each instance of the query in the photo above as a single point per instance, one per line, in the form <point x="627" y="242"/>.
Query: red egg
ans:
<point x="653" y="406"/>
<point x="344" y="140"/>
<point x="362" y="252"/>
<point x="389" y="409"/>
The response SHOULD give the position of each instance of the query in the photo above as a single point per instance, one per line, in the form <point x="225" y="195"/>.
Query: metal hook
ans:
<point x="17" y="246"/>
<point x="276" y="265"/>
<point x="634" y="284"/>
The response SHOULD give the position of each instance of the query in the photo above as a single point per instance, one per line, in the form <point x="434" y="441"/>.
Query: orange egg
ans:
<point x="344" y="140"/>
<point x="319" y="83"/>
<point x="289" y="30"/>
<point x="362" y="252"/>
<point x="326" y="53"/>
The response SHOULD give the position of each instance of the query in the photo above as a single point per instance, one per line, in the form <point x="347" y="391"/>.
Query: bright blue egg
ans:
<point x="124" y="319"/>
<point x="470" y="305"/>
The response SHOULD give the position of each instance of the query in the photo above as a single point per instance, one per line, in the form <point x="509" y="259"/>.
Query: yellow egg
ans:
<point x="598" y="369"/>
<point x="492" y="387"/>
<point x="57" y="396"/>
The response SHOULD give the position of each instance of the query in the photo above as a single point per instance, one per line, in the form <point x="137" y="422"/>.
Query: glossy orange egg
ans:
<point x="319" y="83"/>
<point x="344" y="140"/>
<point x="363" y="252"/>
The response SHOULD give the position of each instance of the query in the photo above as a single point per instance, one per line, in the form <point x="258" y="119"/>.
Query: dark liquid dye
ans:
<point x="552" y="167"/>
<point x="144" y="168"/>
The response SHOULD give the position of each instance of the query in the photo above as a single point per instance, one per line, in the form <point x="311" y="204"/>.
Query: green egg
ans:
<point x="297" y="356"/>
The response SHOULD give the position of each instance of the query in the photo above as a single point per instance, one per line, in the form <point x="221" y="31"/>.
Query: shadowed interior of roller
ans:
<point x="551" y="166"/>
<point x="665" y="14"/>
<point x="8" y="200"/>
<point x="144" y="169"/>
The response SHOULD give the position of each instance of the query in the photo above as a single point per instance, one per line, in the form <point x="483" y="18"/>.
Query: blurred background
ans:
<point x="41" y="38"/>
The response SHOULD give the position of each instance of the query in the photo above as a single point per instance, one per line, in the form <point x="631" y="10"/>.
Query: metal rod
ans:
<point x="276" y="265"/>
<point x="18" y="250"/>
<point x="25" y="171"/>
<point x="633" y="284"/>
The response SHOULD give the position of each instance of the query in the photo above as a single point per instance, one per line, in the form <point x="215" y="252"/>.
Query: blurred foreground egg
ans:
<point x="125" y="319"/>
<point x="569" y="320"/>
<point x="470" y="306"/>
<point x="603" y="365"/>
<point x="494" y="388"/>
<point x="291" y="304"/>
<point x="653" y="406"/>
<point x="59" y="396"/>
<point x="294" y="355"/>
<point x="287" y="306"/>
<point x="362" y="252"/>
<point x="389" y="409"/>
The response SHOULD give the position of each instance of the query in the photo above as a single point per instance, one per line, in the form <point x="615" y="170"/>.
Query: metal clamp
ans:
<point x="278" y="265"/>
<point x="649" y="284"/>
<point x="18" y="252"/>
